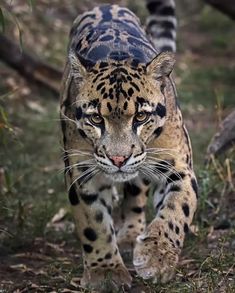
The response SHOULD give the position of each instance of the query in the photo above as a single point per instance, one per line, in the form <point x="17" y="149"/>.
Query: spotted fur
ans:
<point x="123" y="132"/>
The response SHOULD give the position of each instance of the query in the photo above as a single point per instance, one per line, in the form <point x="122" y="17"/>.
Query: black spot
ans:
<point x="94" y="264"/>
<point x="174" y="188"/>
<point x="82" y="133"/>
<point x="177" y="230"/>
<point x="175" y="177"/>
<point x="100" y="259"/>
<point x="90" y="234"/>
<point x="177" y="243"/>
<point x="194" y="186"/>
<point x="158" y="131"/>
<point x="166" y="235"/>
<point x="186" y="228"/>
<point x="162" y="166"/>
<point x="137" y="210"/>
<point x="162" y="207"/>
<point x="130" y="91"/>
<point x="108" y="255"/>
<point x="146" y="181"/>
<point x="109" y="238"/>
<point x="78" y="113"/>
<point x="112" y="80"/>
<point x="125" y="105"/>
<point x="187" y="159"/>
<point x="109" y="107"/>
<point x="171" y="226"/>
<point x="132" y="189"/>
<point x="99" y="86"/>
<point x="97" y="76"/>
<point x="103" y="64"/>
<point x="141" y="100"/>
<point x="103" y="202"/>
<point x="73" y="198"/>
<point x="134" y="63"/>
<point x="159" y="204"/>
<point x="160" y="110"/>
<point x="109" y="209"/>
<point x="135" y="86"/>
<point x="185" y="209"/>
<point x="162" y="87"/>
<point x="99" y="216"/>
<point x="130" y="226"/>
<point x="89" y="198"/>
<point x="87" y="248"/>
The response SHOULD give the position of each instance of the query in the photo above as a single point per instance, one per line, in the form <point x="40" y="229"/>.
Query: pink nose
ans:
<point x="118" y="160"/>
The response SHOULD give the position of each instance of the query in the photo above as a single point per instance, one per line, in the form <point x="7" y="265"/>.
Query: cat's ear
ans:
<point x="79" y="65"/>
<point x="161" y="65"/>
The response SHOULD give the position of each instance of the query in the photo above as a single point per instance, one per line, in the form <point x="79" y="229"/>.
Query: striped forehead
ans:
<point x="117" y="87"/>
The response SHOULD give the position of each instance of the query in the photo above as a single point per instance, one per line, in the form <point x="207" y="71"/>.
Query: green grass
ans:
<point x="32" y="159"/>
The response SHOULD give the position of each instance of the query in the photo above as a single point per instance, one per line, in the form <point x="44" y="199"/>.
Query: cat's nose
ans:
<point x="118" y="160"/>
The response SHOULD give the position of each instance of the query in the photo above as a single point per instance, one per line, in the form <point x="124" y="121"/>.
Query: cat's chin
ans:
<point x="121" y="176"/>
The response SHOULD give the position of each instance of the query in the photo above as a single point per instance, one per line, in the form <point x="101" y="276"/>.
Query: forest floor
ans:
<point x="39" y="251"/>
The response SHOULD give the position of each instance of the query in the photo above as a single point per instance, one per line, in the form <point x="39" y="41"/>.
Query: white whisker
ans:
<point x="81" y="175"/>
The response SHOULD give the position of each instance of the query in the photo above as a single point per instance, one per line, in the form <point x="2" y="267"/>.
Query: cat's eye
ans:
<point x="141" y="117"/>
<point x="96" y="119"/>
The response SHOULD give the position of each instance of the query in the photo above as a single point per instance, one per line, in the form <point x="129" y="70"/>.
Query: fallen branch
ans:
<point x="224" y="138"/>
<point x="29" y="66"/>
<point x="225" y="6"/>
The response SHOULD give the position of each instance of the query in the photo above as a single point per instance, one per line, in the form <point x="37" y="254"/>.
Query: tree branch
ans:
<point x="29" y="66"/>
<point x="225" y="6"/>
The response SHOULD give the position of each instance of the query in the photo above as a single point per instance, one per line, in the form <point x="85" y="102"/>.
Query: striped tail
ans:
<point x="161" y="24"/>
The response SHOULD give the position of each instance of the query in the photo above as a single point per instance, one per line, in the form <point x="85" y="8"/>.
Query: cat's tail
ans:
<point x="161" y="24"/>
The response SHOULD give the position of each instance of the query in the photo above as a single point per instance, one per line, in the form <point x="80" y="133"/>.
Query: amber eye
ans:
<point x="96" y="119"/>
<point x="141" y="117"/>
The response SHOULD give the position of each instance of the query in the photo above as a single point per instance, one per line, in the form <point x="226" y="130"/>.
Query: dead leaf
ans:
<point x="75" y="282"/>
<point x="59" y="215"/>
